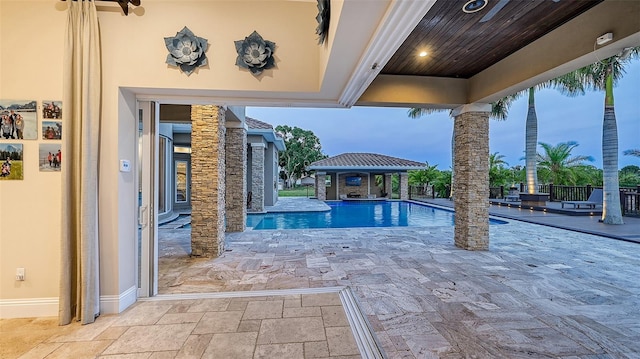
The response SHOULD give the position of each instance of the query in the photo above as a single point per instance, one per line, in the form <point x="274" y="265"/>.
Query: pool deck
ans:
<point x="539" y="292"/>
<point x="297" y="204"/>
<point x="629" y="231"/>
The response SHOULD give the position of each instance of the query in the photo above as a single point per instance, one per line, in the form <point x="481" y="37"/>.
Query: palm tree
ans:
<point x="559" y="163"/>
<point x="634" y="152"/>
<point x="603" y="76"/>
<point x="568" y="84"/>
<point x="497" y="160"/>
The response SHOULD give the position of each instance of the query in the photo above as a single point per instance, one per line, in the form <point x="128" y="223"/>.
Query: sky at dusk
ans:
<point x="391" y="132"/>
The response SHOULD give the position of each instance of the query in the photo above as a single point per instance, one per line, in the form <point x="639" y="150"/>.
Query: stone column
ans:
<point x="404" y="186"/>
<point x="321" y="188"/>
<point x="236" y="178"/>
<point x="257" y="177"/>
<point x="471" y="167"/>
<point x="388" y="184"/>
<point x="207" y="180"/>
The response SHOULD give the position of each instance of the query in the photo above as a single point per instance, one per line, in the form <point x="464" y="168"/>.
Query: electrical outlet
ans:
<point x="19" y="273"/>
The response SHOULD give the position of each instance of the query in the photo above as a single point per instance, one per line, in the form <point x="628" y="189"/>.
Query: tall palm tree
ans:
<point x="560" y="163"/>
<point x="568" y="84"/>
<point x="603" y="76"/>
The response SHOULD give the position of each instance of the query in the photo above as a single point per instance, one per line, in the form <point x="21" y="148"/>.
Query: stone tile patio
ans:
<point x="283" y="327"/>
<point x="539" y="292"/>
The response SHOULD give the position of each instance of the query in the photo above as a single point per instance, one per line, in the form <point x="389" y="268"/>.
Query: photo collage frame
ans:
<point x="19" y="121"/>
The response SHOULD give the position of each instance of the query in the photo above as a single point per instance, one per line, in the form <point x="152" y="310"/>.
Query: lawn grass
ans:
<point x="16" y="171"/>
<point x="297" y="192"/>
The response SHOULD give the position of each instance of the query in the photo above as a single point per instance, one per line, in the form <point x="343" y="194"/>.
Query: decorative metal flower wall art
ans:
<point x="255" y="53"/>
<point x="186" y="51"/>
<point x="324" y="12"/>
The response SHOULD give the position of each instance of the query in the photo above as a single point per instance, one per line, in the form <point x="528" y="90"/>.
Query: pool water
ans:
<point x="359" y="214"/>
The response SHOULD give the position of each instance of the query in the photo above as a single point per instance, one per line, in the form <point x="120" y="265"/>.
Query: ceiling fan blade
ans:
<point x="494" y="10"/>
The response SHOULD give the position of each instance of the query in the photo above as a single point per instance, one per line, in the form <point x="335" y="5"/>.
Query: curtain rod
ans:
<point x="124" y="4"/>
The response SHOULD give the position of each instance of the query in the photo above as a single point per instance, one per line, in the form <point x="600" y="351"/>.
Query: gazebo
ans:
<point x="353" y="176"/>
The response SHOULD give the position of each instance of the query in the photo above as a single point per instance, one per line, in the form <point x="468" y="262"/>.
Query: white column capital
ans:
<point x="471" y="107"/>
<point x="258" y="145"/>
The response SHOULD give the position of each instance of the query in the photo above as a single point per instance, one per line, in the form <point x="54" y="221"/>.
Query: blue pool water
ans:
<point x="358" y="214"/>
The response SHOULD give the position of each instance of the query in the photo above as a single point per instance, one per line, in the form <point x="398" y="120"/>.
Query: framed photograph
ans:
<point x="18" y="120"/>
<point x="51" y="130"/>
<point x="50" y="157"/>
<point x="11" y="161"/>
<point x="52" y="109"/>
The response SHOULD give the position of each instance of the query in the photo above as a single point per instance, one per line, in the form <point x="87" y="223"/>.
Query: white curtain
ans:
<point x="79" y="279"/>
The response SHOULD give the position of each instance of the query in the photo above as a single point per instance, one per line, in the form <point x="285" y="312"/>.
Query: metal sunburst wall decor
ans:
<point x="255" y="53"/>
<point x="324" y="14"/>
<point x="186" y="51"/>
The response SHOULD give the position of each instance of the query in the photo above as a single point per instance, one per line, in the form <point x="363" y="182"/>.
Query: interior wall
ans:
<point x="31" y="56"/>
<point x="31" y="63"/>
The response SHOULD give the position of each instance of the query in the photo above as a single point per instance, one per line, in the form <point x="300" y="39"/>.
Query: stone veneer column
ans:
<point x="236" y="179"/>
<point x="388" y="184"/>
<point x="404" y="186"/>
<point x="321" y="187"/>
<point x="471" y="167"/>
<point x="257" y="177"/>
<point x="207" y="180"/>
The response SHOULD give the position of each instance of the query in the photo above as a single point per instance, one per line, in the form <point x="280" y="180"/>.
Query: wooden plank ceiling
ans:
<point x="461" y="45"/>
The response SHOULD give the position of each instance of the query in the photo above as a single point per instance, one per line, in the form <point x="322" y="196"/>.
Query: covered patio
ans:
<point x="359" y="176"/>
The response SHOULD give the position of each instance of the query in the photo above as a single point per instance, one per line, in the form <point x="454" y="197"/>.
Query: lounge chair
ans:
<point x="594" y="199"/>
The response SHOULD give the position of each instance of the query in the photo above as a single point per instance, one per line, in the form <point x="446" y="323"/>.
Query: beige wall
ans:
<point x="30" y="63"/>
<point x="31" y="52"/>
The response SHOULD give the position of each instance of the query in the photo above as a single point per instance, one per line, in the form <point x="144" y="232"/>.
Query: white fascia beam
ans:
<point x="401" y="18"/>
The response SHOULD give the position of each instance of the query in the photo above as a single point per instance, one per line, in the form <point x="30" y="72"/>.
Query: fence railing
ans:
<point x="629" y="196"/>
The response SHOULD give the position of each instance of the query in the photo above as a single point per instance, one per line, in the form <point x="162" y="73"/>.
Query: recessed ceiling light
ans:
<point x="472" y="6"/>
<point x="423" y="54"/>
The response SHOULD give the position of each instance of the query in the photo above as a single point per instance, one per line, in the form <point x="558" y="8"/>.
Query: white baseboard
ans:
<point x="114" y="304"/>
<point x="28" y="308"/>
<point x="48" y="307"/>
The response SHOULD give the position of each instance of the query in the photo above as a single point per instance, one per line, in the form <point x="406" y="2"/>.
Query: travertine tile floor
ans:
<point x="539" y="292"/>
<point x="283" y="327"/>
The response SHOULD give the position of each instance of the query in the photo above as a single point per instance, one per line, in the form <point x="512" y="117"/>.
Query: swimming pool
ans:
<point x="358" y="214"/>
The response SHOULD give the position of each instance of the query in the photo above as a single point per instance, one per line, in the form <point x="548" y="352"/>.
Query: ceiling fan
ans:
<point x="502" y="3"/>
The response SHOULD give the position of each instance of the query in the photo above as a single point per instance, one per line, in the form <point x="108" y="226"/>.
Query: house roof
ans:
<point x="259" y="128"/>
<point x="365" y="161"/>
<point x="256" y="124"/>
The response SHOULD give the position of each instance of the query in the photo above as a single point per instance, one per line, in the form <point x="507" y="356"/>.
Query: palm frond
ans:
<point x="500" y="108"/>
<point x="419" y="112"/>
<point x="632" y="152"/>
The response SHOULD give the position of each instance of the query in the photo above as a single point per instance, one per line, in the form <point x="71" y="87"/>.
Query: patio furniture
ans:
<point x="594" y="199"/>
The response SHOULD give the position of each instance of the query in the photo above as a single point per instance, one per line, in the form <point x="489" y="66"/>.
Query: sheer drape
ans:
<point x="79" y="279"/>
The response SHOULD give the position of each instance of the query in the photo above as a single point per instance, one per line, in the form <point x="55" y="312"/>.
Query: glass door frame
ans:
<point x="147" y="167"/>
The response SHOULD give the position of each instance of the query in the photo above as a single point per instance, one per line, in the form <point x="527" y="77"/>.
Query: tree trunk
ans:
<point x="531" y="142"/>
<point x="611" y="211"/>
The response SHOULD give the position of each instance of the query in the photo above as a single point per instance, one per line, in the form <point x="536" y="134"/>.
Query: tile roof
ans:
<point x="365" y="160"/>
<point x="255" y="124"/>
